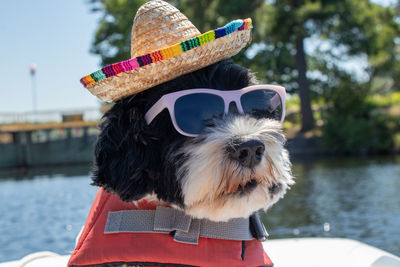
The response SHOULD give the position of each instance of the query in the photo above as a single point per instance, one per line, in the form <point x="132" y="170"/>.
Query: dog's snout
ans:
<point x="249" y="153"/>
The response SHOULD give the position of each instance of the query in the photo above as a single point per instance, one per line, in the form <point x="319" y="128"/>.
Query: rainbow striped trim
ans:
<point x="165" y="53"/>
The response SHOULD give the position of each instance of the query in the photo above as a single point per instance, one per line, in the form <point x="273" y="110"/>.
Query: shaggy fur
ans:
<point x="196" y="174"/>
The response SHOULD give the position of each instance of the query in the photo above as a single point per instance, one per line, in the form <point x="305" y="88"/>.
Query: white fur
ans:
<point x="202" y="174"/>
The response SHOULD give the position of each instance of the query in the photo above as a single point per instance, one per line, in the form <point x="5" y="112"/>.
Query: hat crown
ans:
<point x="158" y="24"/>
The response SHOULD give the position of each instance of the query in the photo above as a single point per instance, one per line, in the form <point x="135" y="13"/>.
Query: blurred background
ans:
<point x="338" y="59"/>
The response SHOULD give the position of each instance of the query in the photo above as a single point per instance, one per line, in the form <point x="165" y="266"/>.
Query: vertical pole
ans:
<point x="33" y="79"/>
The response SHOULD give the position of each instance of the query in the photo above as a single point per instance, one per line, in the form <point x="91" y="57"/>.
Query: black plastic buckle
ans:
<point x="257" y="228"/>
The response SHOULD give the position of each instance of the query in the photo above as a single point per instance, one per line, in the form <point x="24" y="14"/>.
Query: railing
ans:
<point x="89" y="114"/>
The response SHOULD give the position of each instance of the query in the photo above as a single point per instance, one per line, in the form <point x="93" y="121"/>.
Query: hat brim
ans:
<point x="135" y="75"/>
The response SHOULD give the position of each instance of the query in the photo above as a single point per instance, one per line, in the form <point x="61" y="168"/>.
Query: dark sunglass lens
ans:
<point x="193" y="111"/>
<point x="262" y="104"/>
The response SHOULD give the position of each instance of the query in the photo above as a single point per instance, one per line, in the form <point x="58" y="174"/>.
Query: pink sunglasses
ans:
<point x="190" y="110"/>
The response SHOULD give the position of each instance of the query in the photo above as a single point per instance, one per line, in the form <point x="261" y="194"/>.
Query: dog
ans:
<point x="203" y="175"/>
<point x="192" y="147"/>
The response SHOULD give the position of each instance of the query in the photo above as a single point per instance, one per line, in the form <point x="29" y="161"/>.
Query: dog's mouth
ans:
<point x="252" y="184"/>
<point x="248" y="187"/>
<point x="275" y="188"/>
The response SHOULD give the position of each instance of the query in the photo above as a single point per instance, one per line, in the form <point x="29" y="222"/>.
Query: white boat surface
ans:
<point x="292" y="252"/>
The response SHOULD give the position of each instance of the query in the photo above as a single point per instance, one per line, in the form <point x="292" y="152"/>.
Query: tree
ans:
<point x="113" y="36"/>
<point x="277" y="54"/>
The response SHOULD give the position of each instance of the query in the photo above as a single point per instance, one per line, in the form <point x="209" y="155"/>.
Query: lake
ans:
<point x="44" y="209"/>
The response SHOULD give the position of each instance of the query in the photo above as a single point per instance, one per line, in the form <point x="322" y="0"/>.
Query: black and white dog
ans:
<point x="227" y="165"/>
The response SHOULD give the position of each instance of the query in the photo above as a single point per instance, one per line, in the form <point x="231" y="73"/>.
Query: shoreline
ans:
<point x="24" y="158"/>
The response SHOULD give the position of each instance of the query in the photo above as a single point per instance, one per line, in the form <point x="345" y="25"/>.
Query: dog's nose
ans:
<point x="249" y="153"/>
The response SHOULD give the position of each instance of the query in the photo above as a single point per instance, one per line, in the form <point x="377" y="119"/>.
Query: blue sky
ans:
<point x="56" y="36"/>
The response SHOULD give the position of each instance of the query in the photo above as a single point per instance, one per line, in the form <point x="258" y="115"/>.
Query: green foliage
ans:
<point x="211" y="14"/>
<point x="356" y="114"/>
<point x="112" y="40"/>
<point x="356" y="26"/>
<point x="354" y="123"/>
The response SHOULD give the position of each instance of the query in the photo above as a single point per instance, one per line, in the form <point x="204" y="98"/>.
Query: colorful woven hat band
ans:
<point x="164" y="53"/>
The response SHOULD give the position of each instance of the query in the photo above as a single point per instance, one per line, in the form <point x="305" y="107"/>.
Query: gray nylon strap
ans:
<point x="165" y="220"/>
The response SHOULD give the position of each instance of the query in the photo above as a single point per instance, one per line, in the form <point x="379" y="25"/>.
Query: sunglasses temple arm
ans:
<point x="154" y="110"/>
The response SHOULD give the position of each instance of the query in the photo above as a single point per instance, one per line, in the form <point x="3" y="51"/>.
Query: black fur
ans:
<point x="132" y="158"/>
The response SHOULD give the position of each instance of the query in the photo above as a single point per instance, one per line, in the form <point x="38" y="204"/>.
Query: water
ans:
<point x="43" y="212"/>
<point x="359" y="199"/>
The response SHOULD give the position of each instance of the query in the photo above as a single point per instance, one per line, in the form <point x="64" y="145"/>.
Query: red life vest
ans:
<point x="96" y="248"/>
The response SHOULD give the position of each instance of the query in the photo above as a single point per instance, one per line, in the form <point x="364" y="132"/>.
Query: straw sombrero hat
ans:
<point x="165" y="45"/>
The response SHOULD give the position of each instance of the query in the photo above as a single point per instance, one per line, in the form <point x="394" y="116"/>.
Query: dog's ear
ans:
<point x="125" y="160"/>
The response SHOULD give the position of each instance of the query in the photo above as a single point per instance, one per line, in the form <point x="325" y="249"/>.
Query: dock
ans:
<point x="32" y="142"/>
